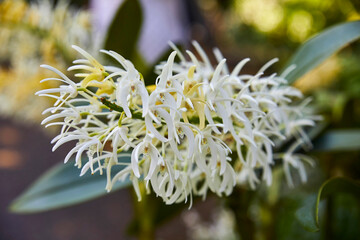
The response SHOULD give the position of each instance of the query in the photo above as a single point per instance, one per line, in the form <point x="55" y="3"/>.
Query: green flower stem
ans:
<point x="113" y="107"/>
<point x="145" y="214"/>
<point x="239" y="202"/>
<point x="137" y="115"/>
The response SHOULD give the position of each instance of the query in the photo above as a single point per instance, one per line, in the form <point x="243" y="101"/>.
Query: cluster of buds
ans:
<point x="199" y="128"/>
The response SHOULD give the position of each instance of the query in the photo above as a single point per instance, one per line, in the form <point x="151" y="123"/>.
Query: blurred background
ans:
<point x="37" y="32"/>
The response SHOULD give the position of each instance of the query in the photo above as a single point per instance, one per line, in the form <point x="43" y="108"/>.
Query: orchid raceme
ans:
<point x="200" y="128"/>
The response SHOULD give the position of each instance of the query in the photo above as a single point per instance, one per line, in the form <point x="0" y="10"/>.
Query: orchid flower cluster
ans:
<point x="199" y="128"/>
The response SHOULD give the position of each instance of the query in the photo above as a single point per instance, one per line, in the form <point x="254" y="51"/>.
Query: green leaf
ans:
<point x="345" y="216"/>
<point x="338" y="140"/>
<point x="308" y="214"/>
<point x="62" y="186"/>
<point x="286" y="226"/>
<point x="322" y="46"/>
<point x="123" y="33"/>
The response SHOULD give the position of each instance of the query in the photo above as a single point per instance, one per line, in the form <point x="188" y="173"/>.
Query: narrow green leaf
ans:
<point x="123" y="33"/>
<point x="62" y="186"/>
<point x="322" y="46"/>
<point x="338" y="140"/>
<point x="308" y="214"/>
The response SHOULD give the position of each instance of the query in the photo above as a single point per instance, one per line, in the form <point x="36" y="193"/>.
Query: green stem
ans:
<point x="144" y="214"/>
<point x="113" y="107"/>
<point x="239" y="202"/>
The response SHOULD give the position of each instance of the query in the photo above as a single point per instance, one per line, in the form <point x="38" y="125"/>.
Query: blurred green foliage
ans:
<point x="273" y="28"/>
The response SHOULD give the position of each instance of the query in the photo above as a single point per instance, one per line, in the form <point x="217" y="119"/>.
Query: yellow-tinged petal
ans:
<point x="91" y="77"/>
<point x="104" y="87"/>
<point x="150" y="88"/>
<point x="199" y="108"/>
<point x="184" y="116"/>
<point x="91" y="59"/>
<point x="191" y="72"/>
<point x="194" y="88"/>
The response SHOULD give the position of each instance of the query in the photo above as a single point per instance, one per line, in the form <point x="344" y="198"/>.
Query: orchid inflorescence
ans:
<point x="198" y="128"/>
